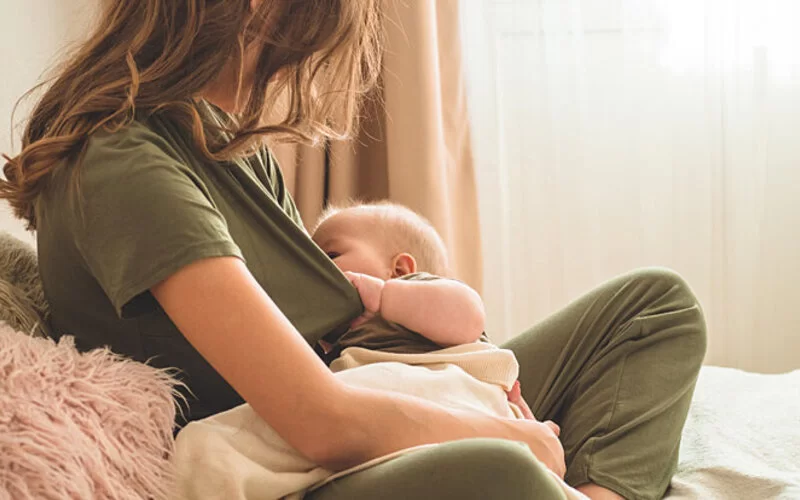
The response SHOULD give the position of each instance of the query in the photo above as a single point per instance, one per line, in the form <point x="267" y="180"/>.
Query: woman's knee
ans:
<point x="662" y="278"/>
<point x="668" y="285"/>
<point x="500" y="469"/>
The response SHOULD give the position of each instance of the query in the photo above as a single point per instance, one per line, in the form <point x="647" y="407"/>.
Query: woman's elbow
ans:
<point x="334" y="457"/>
<point x="338" y="445"/>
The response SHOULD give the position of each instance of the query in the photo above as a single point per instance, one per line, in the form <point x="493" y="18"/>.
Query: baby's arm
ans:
<point x="445" y="311"/>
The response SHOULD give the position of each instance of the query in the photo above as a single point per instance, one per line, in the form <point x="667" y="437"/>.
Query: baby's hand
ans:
<point x="370" y="289"/>
<point x="515" y="396"/>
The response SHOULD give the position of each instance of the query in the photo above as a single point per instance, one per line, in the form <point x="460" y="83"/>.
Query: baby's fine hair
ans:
<point x="403" y="230"/>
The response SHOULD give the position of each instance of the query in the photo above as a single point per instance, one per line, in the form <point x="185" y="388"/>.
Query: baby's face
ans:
<point x="348" y="238"/>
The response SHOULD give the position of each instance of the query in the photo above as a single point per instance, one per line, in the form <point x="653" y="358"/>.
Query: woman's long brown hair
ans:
<point x="318" y="58"/>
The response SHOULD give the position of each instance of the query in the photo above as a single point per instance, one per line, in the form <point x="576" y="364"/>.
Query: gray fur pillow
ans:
<point x="22" y="302"/>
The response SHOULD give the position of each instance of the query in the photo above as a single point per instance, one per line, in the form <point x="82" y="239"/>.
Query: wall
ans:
<point x="33" y="35"/>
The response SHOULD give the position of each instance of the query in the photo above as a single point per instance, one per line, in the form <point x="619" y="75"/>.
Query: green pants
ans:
<point x="615" y="369"/>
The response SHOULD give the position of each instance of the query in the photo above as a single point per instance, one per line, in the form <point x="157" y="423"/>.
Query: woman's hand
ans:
<point x="549" y="452"/>
<point x="542" y="439"/>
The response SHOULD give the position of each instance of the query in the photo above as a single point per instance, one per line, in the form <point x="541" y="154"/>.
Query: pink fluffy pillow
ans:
<point x="75" y="425"/>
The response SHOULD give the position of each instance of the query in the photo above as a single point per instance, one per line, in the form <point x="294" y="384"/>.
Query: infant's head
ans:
<point x="380" y="239"/>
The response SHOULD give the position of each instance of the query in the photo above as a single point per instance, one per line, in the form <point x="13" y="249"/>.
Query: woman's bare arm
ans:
<point x="230" y="320"/>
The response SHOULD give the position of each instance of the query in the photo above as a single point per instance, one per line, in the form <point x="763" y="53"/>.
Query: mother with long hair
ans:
<point x="165" y="231"/>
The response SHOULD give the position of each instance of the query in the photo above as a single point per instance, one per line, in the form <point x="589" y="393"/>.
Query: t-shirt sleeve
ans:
<point x="143" y="215"/>
<point x="420" y="276"/>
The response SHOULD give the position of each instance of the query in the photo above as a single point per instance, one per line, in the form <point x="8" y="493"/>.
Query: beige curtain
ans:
<point x="415" y="148"/>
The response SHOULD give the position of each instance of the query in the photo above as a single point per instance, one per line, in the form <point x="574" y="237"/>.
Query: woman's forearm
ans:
<point x="373" y="423"/>
<point x="447" y="312"/>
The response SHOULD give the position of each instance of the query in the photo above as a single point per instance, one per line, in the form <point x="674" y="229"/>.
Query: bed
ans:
<point x="742" y="438"/>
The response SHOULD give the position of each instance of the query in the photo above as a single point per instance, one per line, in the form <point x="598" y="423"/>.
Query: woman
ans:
<point x="165" y="231"/>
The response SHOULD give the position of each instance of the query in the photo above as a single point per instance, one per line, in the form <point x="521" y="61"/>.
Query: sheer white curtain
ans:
<point x="612" y="134"/>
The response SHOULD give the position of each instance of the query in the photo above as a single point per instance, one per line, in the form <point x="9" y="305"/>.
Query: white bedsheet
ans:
<point x="742" y="438"/>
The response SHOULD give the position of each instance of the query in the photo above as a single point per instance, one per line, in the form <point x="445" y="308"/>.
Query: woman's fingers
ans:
<point x="544" y="443"/>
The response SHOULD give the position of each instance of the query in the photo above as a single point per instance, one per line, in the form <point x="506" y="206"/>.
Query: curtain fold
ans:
<point x="414" y="144"/>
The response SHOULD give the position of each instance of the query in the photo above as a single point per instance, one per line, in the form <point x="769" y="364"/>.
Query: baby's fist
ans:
<point x="370" y="289"/>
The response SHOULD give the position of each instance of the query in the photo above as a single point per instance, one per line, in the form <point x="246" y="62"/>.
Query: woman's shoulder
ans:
<point x="135" y="144"/>
<point x="118" y="171"/>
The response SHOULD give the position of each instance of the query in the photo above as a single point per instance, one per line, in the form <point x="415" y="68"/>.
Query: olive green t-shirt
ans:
<point x="148" y="204"/>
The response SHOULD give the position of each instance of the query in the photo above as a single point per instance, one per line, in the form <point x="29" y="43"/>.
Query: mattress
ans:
<point x="742" y="438"/>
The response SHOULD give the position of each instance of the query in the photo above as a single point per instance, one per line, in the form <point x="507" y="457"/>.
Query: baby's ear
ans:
<point x="403" y="264"/>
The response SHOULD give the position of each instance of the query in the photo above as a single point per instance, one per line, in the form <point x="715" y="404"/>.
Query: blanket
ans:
<point x="742" y="438"/>
<point x="235" y="455"/>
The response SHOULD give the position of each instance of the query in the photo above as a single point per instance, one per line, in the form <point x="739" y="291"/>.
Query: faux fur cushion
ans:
<point x="75" y="426"/>
<point x="22" y="302"/>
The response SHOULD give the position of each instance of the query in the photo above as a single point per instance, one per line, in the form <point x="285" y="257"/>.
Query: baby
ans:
<point x="421" y="335"/>
<point x="397" y="262"/>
